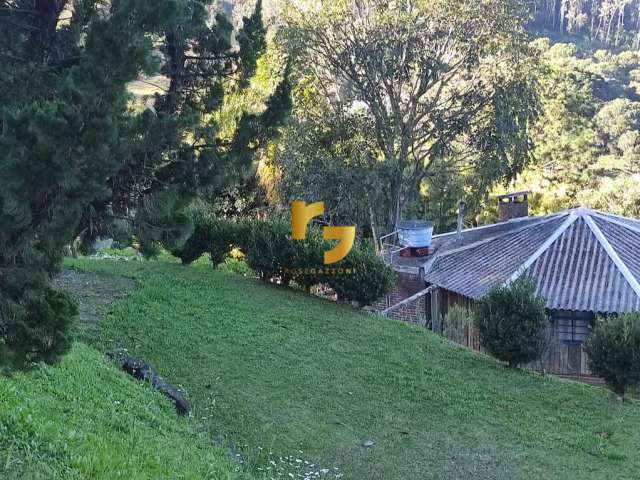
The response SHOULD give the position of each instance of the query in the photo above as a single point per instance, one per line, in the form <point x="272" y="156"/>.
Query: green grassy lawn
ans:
<point x="274" y="370"/>
<point x="83" y="419"/>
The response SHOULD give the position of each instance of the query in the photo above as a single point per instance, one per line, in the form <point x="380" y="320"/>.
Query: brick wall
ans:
<point x="405" y="286"/>
<point x="413" y="312"/>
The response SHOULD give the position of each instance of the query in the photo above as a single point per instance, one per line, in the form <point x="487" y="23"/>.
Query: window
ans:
<point x="572" y="326"/>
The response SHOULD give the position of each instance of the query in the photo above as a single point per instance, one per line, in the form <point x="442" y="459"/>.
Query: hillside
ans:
<point x="82" y="419"/>
<point x="279" y="374"/>
<point x="608" y="22"/>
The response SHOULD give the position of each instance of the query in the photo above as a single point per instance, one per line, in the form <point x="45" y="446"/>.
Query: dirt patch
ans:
<point x="95" y="294"/>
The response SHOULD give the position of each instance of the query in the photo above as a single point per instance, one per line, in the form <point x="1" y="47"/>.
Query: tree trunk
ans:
<point x="45" y="23"/>
<point x="374" y="229"/>
<point x="176" y="65"/>
<point x="393" y="214"/>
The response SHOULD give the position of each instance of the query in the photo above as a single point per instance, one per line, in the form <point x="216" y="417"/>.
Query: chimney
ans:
<point x="461" y="208"/>
<point x="513" y="205"/>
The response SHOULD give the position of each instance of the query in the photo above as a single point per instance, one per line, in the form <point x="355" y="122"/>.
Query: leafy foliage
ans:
<point x="614" y="351"/>
<point x="370" y="280"/>
<point x="79" y="160"/>
<point x="273" y="255"/>
<point x="210" y="235"/>
<point x="428" y="86"/>
<point x="512" y="322"/>
<point x="63" y="117"/>
<point x="331" y="157"/>
<point x="586" y="140"/>
<point x="199" y="138"/>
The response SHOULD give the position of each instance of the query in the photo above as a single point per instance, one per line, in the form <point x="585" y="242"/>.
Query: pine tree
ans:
<point x="63" y="111"/>
<point x="75" y="158"/>
<point x="178" y="151"/>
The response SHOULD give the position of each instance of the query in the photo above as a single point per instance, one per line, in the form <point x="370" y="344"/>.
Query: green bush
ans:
<point x="369" y="279"/>
<point x="38" y="326"/>
<point x="268" y="248"/>
<point x="614" y="351"/>
<point x="214" y="236"/>
<point x="456" y="322"/>
<point x="222" y="238"/>
<point x="309" y="253"/>
<point x="272" y="254"/>
<point x="196" y="245"/>
<point x="512" y="323"/>
<point x="235" y="265"/>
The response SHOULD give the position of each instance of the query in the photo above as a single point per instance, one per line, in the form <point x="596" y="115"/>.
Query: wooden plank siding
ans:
<point x="565" y="358"/>
<point x="565" y="355"/>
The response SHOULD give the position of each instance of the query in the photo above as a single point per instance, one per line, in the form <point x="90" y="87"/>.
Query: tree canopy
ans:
<point x="77" y="157"/>
<point x="436" y="86"/>
<point x="615" y="22"/>
<point x="586" y="140"/>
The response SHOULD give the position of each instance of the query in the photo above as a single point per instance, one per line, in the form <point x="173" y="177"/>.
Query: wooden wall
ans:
<point x="562" y="357"/>
<point x="567" y="359"/>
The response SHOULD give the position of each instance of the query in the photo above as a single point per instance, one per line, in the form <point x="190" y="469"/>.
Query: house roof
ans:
<point x="579" y="259"/>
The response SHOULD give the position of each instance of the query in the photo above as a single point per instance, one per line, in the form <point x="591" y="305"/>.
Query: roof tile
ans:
<point x="575" y="272"/>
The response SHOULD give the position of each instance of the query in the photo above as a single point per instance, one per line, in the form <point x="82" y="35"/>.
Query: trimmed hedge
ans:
<point x="271" y="253"/>
<point x="210" y="235"/>
<point x="370" y="280"/>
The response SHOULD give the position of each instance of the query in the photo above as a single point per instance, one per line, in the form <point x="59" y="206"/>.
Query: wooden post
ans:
<point x="436" y="325"/>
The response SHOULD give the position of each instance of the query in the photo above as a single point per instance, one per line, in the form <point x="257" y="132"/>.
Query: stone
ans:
<point x="142" y="371"/>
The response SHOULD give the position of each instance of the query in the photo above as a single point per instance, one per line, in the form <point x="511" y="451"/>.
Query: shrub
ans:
<point x="197" y="244"/>
<point x="370" y="277"/>
<point x="456" y="322"/>
<point x="309" y="253"/>
<point x="271" y="253"/>
<point x="614" y="351"/>
<point x="512" y="323"/>
<point x="211" y="235"/>
<point x="268" y="248"/>
<point x="38" y="326"/>
<point x="222" y="237"/>
<point x="235" y="265"/>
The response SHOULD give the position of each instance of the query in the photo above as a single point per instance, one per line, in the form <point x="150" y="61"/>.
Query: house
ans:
<point x="584" y="263"/>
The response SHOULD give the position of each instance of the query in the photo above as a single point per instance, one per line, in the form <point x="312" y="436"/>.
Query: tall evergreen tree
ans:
<point x="63" y="114"/>
<point x="74" y="155"/>
<point x="177" y="149"/>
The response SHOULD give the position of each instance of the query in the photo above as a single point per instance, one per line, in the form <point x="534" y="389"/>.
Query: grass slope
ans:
<point x="272" y="368"/>
<point x="83" y="419"/>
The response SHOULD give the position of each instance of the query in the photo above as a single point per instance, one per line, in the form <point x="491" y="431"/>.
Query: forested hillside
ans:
<point x="566" y="124"/>
<point x="616" y="22"/>
<point x="587" y="139"/>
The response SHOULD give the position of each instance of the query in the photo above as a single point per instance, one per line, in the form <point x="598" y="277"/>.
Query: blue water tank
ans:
<point x="415" y="233"/>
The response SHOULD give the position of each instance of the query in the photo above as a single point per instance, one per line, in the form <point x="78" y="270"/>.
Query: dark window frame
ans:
<point x="572" y="327"/>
